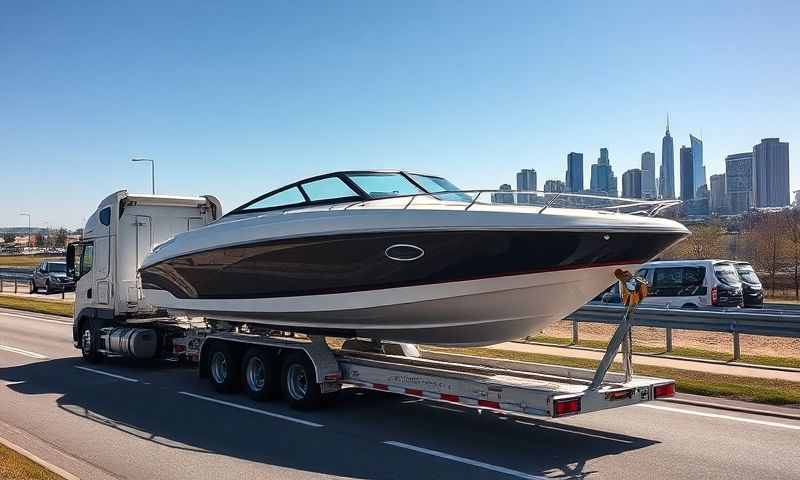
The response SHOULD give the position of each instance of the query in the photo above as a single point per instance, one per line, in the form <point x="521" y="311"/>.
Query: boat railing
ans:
<point x="543" y="200"/>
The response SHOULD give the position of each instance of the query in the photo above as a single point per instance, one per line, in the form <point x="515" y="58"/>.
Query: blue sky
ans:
<point x="235" y="100"/>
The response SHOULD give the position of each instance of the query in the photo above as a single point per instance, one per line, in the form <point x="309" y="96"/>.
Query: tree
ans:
<point x="793" y="243"/>
<point x="38" y="240"/>
<point x="706" y="241"/>
<point x="767" y="244"/>
<point x="60" y="238"/>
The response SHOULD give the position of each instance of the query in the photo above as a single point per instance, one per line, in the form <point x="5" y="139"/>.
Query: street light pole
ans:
<point x="152" y="170"/>
<point x="29" y="227"/>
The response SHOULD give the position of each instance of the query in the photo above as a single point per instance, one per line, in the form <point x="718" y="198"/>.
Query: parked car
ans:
<point x="52" y="277"/>
<point x="693" y="284"/>
<point x="751" y="285"/>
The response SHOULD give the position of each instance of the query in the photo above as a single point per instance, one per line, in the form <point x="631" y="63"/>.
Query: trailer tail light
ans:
<point x="177" y="349"/>
<point x="666" y="390"/>
<point x="714" y="296"/>
<point x="566" y="406"/>
<point x="620" y="394"/>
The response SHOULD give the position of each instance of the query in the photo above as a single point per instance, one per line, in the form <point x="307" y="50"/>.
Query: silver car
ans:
<point x="52" y="277"/>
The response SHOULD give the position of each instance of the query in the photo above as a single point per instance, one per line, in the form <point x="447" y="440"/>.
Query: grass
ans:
<point x="24" y="260"/>
<point x="14" y="466"/>
<point x="769" y="391"/>
<point x="688" y="352"/>
<point x="36" y="305"/>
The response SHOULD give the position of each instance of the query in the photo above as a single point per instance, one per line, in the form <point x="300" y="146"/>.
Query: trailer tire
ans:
<point x="299" y="382"/>
<point x="89" y="344"/>
<point x="260" y="377"/>
<point x="223" y="368"/>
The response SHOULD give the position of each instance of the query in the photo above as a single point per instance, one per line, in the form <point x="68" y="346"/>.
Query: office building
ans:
<point x="771" y="173"/>
<point x="687" y="175"/>
<point x="574" y="178"/>
<point x="698" y="168"/>
<point x="499" y="197"/>
<point x="649" y="176"/>
<point x="632" y="183"/>
<point x="739" y="182"/>
<point x="667" y="173"/>
<point x="526" y="182"/>
<point x="603" y="181"/>
<point x="718" y="201"/>
<point x="554" y="186"/>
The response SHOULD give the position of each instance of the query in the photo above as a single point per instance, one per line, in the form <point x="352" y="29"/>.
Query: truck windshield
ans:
<point x="727" y="275"/>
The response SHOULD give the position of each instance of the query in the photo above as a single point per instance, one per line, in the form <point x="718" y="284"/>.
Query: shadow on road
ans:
<point x="350" y="444"/>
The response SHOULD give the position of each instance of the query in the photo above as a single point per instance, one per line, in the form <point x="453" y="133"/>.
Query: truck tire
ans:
<point x="259" y="375"/>
<point x="223" y="368"/>
<point x="299" y="382"/>
<point x="89" y="344"/>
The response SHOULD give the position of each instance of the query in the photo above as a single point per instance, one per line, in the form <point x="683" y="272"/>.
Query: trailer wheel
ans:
<point x="89" y="344"/>
<point x="299" y="382"/>
<point x="223" y="368"/>
<point x="259" y="375"/>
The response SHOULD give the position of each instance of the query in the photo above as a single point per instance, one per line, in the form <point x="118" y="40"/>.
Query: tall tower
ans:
<point x="574" y="180"/>
<point x="667" y="165"/>
<point x="649" y="175"/>
<point x="771" y="173"/>
<point x="698" y="168"/>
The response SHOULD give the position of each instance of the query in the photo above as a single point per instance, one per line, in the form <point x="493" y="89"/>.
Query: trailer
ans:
<point x="113" y="319"/>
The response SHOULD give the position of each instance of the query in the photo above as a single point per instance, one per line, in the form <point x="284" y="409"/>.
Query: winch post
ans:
<point x="633" y="289"/>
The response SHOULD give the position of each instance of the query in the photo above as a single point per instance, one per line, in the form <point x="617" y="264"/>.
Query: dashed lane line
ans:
<point x="253" y="410"/>
<point x="20" y="351"/>
<point x="112" y="375"/>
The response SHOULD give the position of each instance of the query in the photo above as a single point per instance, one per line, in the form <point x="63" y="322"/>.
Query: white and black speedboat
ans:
<point x="404" y="257"/>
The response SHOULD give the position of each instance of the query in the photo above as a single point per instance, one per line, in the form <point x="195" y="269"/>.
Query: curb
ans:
<point x="732" y="408"/>
<point x="43" y="463"/>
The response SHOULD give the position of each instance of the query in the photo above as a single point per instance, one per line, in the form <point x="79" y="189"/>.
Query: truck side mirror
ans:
<point x="71" y="273"/>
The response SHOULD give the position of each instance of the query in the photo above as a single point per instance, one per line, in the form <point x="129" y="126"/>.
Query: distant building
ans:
<point x="698" y="168"/>
<point x="771" y="173"/>
<point x="574" y="178"/>
<point x="632" y="183"/>
<point x="603" y="180"/>
<point x="687" y="175"/>
<point x="739" y="182"/>
<point x="667" y="172"/>
<point x="649" y="190"/>
<point x="718" y="201"/>
<point x="554" y="186"/>
<point x="526" y="182"/>
<point x="503" y="197"/>
<point x="797" y="199"/>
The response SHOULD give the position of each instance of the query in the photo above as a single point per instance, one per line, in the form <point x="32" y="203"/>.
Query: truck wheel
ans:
<point x="299" y="382"/>
<point x="223" y="368"/>
<point x="259" y="375"/>
<point x="89" y="345"/>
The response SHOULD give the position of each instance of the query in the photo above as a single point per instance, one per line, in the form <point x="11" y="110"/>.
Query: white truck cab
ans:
<point x="118" y="235"/>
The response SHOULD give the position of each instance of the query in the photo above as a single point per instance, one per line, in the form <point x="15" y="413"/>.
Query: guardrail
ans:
<point x="783" y="321"/>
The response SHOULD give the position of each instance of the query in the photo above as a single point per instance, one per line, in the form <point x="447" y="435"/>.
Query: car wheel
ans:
<point x="33" y="287"/>
<point x="47" y="287"/>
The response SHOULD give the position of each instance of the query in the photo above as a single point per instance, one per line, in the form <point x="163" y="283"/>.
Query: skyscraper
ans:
<point x="739" y="182"/>
<point x="687" y="175"/>
<point x="698" y="169"/>
<point x="771" y="173"/>
<point x="603" y="181"/>
<point x="503" y="197"/>
<point x="574" y="179"/>
<point x="667" y="174"/>
<point x="718" y="201"/>
<point x="554" y="186"/>
<point x="526" y="182"/>
<point x="632" y="183"/>
<point x="648" y="175"/>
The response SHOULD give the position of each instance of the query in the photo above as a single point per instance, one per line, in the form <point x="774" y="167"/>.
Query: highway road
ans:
<point x="119" y="420"/>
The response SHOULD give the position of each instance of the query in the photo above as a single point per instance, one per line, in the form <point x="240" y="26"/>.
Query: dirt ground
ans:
<point x="712" y="341"/>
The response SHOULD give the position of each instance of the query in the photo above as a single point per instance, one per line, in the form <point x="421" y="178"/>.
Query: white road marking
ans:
<point x="440" y="407"/>
<point x="112" y="375"/>
<point x="253" y="410"/>
<point x="39" y="319"/>
<point x="474" y="463"/>
<point x="725" y="417"/>
<point x="22" y="352"/>
<point x="574" y="432"/>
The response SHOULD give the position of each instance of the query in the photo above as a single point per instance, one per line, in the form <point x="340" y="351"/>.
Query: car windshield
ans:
<point x="382" y="185"/>
<point x="726" y="274"/>
<point x="57" y="267"/>
<point x="747" y="274"/>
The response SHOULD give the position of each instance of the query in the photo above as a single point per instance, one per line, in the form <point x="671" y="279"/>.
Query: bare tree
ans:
<point x="767" y="244"/>
<point x="792" y="221"/>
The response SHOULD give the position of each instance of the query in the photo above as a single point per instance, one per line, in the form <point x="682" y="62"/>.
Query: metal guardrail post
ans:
<point x="669" y="339"/>
<point x="574" y="332"/>
<point x="15" y="285"/>
<point x="737" y="349"/>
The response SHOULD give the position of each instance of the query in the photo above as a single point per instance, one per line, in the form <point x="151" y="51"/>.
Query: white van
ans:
<point x="693" y="284"/>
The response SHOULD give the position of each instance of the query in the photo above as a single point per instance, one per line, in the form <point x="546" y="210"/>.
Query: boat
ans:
<point x="404" y="257"/>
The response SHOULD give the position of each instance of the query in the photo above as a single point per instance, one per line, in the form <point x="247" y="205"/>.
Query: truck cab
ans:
<point x="118" y="235"/>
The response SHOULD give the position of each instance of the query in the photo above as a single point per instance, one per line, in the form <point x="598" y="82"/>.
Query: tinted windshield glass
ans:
<point x="747" y="274"/>
<point x="381" y="185"/>
<point x="57" y="267"/>
<point x="434" y="184"/>
<point x="726" y="274"/>
<point x="327" y="189"/>
<point x="290" y="196"/>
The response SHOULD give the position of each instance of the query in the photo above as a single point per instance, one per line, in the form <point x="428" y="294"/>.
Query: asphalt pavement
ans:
<point x="123" y="420"/>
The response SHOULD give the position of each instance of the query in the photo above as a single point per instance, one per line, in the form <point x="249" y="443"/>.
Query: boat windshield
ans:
<point x="384" y="184"/>
<point x="439" y="184"/>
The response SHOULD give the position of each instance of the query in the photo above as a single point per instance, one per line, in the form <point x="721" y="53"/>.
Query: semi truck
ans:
<point x="113" y="319"/>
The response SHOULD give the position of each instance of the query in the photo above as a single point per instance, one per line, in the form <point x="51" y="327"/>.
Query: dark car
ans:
<point x="52" y="277"/>
<point x="751" y="286"/>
